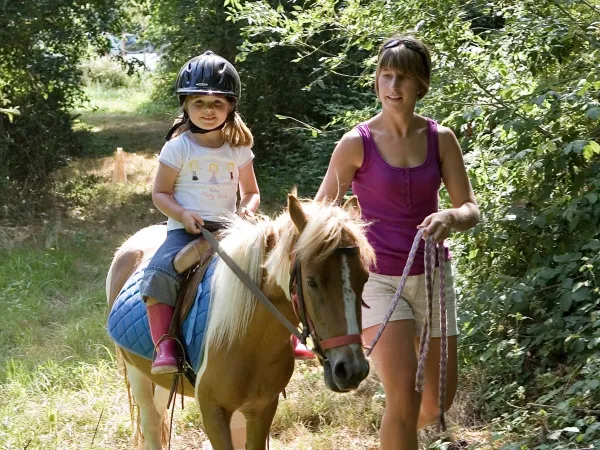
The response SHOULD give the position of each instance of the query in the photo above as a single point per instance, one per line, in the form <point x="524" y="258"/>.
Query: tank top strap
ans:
<point x="433" y="145"/>
<point x="369" y="148"/>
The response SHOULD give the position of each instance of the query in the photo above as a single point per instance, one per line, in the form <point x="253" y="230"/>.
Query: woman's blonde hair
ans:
<point x="406" y="55"/>
<point x="235" y="132"/>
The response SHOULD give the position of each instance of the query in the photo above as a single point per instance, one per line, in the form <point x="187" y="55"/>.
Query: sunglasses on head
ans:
<point x="409" y="45"/>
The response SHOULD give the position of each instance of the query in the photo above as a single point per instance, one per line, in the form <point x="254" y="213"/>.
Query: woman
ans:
<point x="395" y="163"/>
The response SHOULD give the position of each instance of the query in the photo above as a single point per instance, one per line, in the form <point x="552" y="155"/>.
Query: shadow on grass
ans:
<point x="102" y="133"/>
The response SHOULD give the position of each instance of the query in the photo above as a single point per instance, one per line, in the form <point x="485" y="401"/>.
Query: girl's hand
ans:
<point x="244" y="212"/>
<point x="192" y="221"/>
<point x="437" y="225"/>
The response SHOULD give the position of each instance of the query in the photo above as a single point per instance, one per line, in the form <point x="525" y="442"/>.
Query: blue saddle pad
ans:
<point x="128" y="320"/>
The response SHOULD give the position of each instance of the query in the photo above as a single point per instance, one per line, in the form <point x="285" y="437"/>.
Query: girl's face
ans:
<point x="397" y="91"/>
<point x="208" y="111"/>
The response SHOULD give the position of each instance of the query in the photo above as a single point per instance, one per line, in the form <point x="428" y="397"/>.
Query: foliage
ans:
<point x="105" y="73"/>
<point x="274" y="86"/>
<point x="42" y="45"/>
<point x="518" y="83"/>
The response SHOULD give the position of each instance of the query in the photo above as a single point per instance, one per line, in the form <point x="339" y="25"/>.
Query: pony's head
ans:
<point x="322" y="261"/>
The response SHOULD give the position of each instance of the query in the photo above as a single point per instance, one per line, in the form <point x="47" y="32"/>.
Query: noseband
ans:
<point x="308" y="328"/>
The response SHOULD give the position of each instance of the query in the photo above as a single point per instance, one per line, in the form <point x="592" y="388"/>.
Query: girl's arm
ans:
<point x="346" y="159"/>
<point x="162" y="196"/>
<point x="249" y="193"/>
<point x="464" y="213"/>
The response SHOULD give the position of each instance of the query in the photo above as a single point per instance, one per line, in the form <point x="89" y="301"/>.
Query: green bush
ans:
<point x="40" y="76"/>
<point x="106" y="73"/>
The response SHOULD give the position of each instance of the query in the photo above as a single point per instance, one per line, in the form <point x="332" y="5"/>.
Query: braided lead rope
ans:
<point x="409" y="263"/>
<point x="443" y="336"/>
<point x="430" y="255"/>
<point x="426" y="331"/>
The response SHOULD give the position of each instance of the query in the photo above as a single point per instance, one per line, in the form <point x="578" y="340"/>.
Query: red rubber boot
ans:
<point x="300" y="350"/>
<point x="159" y="317"/>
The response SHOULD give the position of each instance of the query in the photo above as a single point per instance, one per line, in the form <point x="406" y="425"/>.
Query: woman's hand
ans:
<point x="192" y="221"/>
<point x="437" y="225"/>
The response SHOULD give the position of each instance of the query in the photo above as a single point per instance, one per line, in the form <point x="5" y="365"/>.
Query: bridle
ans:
<point x="308" y="328"/>
<point x="295" y="289"/>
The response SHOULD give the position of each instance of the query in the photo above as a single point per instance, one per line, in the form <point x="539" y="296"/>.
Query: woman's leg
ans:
<point x="429" y="405"/>
<point x="396" y="365"/>
<point x="430" y="409"/>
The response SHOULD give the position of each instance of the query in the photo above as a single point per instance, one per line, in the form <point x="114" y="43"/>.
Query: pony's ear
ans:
<point x="296" y="212"/>
<point x="352" y="206"/>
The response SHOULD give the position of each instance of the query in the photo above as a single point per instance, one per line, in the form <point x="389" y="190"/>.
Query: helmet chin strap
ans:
<point x="193" y="127"/>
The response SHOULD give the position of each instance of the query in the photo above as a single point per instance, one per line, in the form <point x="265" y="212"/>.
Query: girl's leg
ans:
<point x="396" y="366"/>
<point x="159" y="318"/>
<point x="159" y="288"/>
<point x="430" y="410"/>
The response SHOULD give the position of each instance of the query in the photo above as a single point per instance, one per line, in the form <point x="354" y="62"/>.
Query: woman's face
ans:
<point x="397" y="91"/>
<point x="208" y="111"/>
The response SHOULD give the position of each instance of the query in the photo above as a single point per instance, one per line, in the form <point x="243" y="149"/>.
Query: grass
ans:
<point x="60" y="387"/>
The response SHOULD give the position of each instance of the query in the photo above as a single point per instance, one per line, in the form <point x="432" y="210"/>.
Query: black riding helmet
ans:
<point x="207" y="74"/>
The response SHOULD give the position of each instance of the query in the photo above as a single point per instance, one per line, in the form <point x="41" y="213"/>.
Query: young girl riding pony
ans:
<point x="206" y="158"/>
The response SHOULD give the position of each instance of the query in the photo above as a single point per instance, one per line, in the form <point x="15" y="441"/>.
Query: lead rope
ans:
<point x="430" y="255"/>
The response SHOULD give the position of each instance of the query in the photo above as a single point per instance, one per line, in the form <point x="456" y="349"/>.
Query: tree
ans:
<point x="42" y="45"/>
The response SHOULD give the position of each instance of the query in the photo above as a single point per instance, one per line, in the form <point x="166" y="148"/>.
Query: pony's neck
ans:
<point x="280" y="243"/>
<point x="272" y="329"/>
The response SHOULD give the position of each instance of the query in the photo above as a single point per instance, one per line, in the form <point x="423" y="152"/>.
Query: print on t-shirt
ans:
<point x="205" y="170"/>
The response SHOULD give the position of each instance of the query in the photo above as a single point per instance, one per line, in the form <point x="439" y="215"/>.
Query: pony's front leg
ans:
<point x="150" y="418"/>
<point x="216" y="425"/>
<point x="259" y="424"/>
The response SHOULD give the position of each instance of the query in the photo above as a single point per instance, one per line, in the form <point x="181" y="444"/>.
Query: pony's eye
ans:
<point x="311" y="283"/>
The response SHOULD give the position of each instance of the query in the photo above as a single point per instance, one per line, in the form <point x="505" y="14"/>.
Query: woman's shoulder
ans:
<point x="448" y="143"/>
<point x="351" y="142"/>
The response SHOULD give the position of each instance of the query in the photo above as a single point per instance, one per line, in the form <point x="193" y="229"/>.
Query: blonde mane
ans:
<point x="232" y="303"/>
<point x="327" y="225"/>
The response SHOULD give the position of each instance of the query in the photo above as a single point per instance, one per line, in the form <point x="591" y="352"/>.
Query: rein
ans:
<point x="249" y="284"/>
<point x="308" y="329"/>
<point x="430" y="253"/>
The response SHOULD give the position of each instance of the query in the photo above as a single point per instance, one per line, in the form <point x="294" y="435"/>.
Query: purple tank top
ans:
<point x="396" y="200"/>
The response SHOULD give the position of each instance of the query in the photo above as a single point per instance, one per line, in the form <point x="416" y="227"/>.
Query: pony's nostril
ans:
<point x="340" y="371"/>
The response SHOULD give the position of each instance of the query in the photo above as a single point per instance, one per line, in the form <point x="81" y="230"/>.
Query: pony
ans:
<point x="317" y="251"/>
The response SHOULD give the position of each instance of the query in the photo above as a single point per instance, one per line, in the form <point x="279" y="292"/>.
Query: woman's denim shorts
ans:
<point x="161" y="281"/>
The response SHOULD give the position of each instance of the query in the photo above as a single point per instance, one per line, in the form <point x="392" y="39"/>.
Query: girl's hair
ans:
<point x="235" y="132"/>
<point x="408" y="56"/>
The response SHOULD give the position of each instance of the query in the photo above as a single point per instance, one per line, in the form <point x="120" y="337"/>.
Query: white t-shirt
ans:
<point x="208" y="177"/>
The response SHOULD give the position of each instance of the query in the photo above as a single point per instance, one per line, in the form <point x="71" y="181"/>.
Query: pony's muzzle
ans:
<point x="345" y="368"/>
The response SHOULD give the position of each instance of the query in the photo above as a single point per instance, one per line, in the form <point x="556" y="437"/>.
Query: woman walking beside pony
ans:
<point x="395" y="163"/>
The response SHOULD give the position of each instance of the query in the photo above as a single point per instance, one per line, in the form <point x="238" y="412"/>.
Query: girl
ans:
<point x="207" y="156"/>
<point x="396" y="162"/>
